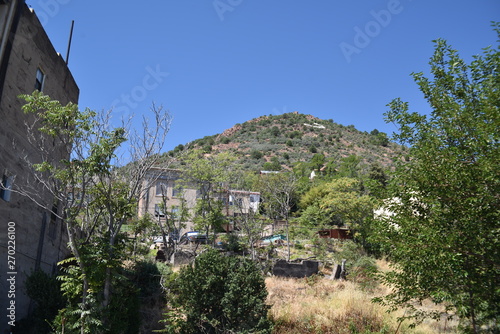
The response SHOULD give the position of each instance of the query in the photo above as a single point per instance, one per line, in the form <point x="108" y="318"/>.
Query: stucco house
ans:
<point x="167" y="185"/>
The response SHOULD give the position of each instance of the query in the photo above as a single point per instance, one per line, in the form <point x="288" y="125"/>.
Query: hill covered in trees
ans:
<point x="277" y="142"/>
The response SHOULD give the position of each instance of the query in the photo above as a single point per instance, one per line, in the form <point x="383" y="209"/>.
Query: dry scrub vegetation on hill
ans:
<point x="320" y="305"/>
<point x="291" y="138"/>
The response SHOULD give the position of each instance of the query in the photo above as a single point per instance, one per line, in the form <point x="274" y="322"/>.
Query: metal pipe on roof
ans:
<point x="69" y="42"/>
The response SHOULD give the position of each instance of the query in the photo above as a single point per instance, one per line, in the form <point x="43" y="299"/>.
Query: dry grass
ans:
<point x="320" y="305"/>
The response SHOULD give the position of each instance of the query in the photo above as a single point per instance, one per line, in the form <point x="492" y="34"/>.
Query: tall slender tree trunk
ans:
<point x="81" y="264"/>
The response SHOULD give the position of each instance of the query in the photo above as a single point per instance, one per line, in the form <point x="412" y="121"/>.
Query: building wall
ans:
<point x="162" y="183"/>
<point x="40" y="239"/>
<point x="167" y="181"/>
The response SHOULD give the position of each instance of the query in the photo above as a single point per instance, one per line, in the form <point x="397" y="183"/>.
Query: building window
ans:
<point x="6" y="187"/>
<point x="175" y="212"/>
<point x="177" y="191"/>
<point x="161" y="188"/>
<point x="159" y="211"/>
<point x="40" y="78"/>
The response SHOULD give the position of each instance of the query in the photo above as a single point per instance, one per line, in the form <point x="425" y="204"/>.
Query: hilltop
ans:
<point x="279" y="141"/>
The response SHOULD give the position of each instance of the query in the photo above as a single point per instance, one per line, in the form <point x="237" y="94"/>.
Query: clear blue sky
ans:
<point x="217" y="63"/>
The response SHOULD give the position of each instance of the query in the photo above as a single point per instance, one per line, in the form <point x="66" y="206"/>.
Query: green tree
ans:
<point x="444" y="232"/>
<point x="317" y="161"/>
<point x="140" y="228"/>
<point x="275" y="131"/>
<point x="219" y="294"/>
<point x="212" y="175"/>
<point x="255" y="154"/>
<point x="273" y="165"/>
<point x="278" y="194"/>
<point x="376" y="181"/>
<point x="337" y="202"/>
<point x="247" y="219"/>
<point x="379" y="138"/>
<point x="349" y="166"/>
<point x="172" y="220"/>
<point x="74" y="162"/>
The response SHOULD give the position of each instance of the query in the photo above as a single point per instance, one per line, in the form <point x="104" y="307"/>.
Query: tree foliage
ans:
<point x="444" y="231"/>
<point x="278" y="194"/>
<point x="337" y="202"/>
<point x="219" y="294"/>
<point x="75" y="163"/>
<point x="211" y="175"/>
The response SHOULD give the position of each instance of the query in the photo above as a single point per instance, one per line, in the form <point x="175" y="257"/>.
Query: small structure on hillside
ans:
<point x="336" y="233"/>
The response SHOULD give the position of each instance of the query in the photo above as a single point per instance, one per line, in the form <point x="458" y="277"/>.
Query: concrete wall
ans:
<point x="288" y="269"/>
<point x="40" y="239"/>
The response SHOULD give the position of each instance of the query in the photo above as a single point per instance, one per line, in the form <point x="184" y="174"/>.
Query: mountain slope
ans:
<point x="279" y="142"/>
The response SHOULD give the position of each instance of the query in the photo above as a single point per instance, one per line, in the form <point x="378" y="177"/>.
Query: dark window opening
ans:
<point x="6" y="187"/>
<point x="40" y="78"/>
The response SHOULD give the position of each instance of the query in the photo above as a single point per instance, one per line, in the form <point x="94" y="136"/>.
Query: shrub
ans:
<point x="207" y="148"/>
<point x="219" y="294"/>
<point x="361" y="268"/>
<point x="256" y="154"/>
<point x="45" y="291"/>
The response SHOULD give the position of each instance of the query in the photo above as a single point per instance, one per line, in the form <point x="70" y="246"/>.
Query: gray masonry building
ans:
<point x="28" y="62"/>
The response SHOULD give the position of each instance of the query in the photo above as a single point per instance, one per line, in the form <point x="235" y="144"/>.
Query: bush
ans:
<point x="232" y="242"/>
<point x="45" y="291"/>
<point x="361" y="268"/>
<point x="219" y="294"/>
<point x="256" y="154"/>
<point x="148" y="277"/>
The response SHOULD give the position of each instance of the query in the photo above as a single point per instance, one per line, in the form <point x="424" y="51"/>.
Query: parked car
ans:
<point x="194" y="237"/>
<point x="174" y="236"/>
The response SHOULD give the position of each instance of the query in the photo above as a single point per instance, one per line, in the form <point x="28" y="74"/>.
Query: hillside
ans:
<point x="278" y="142"/>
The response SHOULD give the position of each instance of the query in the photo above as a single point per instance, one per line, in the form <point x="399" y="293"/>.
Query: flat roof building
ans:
<point x="28" y="62"/>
